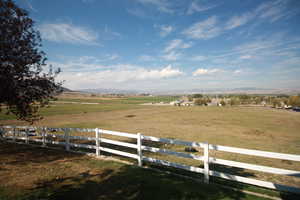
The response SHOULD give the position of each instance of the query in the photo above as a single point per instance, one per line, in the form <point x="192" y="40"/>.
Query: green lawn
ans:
<point x="124" y="100"/>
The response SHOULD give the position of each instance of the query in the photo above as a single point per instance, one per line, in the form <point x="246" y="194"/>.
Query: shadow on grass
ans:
<point x="18" y="154"/>
<point x="125" y="182"/>
<point x="129" y="182"/>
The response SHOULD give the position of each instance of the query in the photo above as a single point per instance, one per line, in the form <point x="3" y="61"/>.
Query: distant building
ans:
<point x="187" y="103"/>
<point x="214" y="102"/>
<point x="176" y="103"/>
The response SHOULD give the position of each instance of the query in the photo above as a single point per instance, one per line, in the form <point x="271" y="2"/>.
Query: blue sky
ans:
<point x="171" y="44"/>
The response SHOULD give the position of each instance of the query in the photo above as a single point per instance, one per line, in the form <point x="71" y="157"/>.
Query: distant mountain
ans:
<point x="109" y="91"/>
<point x="242" y="90"/>
<point x="64" y="89"/>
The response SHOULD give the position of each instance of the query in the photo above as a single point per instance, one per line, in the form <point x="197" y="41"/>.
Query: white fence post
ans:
<point x="67" y="139"/>
<point x="97" y="142"/>
<point x="139" y="149"/>
<point x="26" y="133"/>
<point x="44" y="136"/>
<point x="206" y="162"/>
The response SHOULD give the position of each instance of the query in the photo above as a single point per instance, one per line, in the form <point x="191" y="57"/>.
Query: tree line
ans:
<point x="280" y="100"/>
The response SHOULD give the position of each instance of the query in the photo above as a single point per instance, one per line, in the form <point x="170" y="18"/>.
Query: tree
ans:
<point x="197" y="96"/>
<point x="294" y="100"/>
<point x="276" y="102"/>
<point x="233" y="101"/>
<point x="200" y="102"/>
<point x="25" y="87"/>
<point x="223" y="103"/>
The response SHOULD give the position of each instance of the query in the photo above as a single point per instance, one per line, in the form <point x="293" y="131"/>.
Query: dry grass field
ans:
<point x="246" y="127"/>
<point x="30" y="173"/>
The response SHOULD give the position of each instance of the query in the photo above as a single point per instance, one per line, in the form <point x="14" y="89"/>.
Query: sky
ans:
<point x="170" y="44"/>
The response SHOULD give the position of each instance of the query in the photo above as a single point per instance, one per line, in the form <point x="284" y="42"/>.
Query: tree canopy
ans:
<point x="24" y="84"/>
<point x="197" y="95"/>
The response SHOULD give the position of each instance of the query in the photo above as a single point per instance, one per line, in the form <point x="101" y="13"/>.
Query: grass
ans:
<point x="34" y="173"/>
<point x="67" y="109"/>
<point x="130" y="100"/>
<point x="254" y="128"/>
<point x="104" y="105"/>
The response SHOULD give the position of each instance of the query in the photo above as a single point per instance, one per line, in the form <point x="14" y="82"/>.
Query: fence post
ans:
<point x="2" y="131"/>
<point x="44" y="136"/>
<point x="14" y="134"/>
<point x="26" y="133"/>
<point x="67" y="138"/>
<point x="97" y="141"/>
<point x="206" y="162"/>
<point x="139" y="149"/>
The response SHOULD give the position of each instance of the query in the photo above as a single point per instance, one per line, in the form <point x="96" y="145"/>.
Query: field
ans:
<point x="246" y="127"/>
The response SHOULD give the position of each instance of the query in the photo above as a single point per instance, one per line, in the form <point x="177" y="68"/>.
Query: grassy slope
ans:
<point x="32" y="173"/>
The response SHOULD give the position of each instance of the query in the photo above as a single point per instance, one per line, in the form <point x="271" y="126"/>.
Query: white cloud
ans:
<point x="138" y="12"/>
<point x="263" y="46"/>
<point x="164" y="30"/>
<point x="195" y="7"/>
<point x="238" y="71"/>
<point x="177" y="44"/>
<point x="199" y="58"/>
<point x="203" y="71"/>
<point x="29" y="4"/>
<point x="162" y="5"/>
<point x="255" y="47"/>
<point x="237" y="21"/>
<point x="246" y="57"/>
<point x="68" y="33"/>
<point x="93" y="59"/>
<point x="273" y="10"/>
<point x="204" y="29"/>
<point x="112" y="56"/>
<point x="84" y="63"/>
<point x="117" y="75"/>
<point x="170" y="51"/>
<point x="211" y="27"/>
<point x="108" y="34"/>
<point x="171" y="56"/>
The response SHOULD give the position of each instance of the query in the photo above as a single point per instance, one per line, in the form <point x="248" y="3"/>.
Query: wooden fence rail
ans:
<point x="62" y="136"/>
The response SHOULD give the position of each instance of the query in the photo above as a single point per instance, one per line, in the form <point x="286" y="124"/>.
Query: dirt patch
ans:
<point x="129" y="116"/>
<point x="254" y="132"/>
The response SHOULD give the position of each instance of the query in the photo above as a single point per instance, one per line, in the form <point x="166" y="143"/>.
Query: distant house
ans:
<point x="187" y="103"/>
<point x="176" y="103"/>
<point x="287" y="107"/>
<point x="214" y="102"/>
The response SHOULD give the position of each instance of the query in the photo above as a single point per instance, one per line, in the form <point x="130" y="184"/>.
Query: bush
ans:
<point x="223" y="103"/>
<point x="200" y="102"/>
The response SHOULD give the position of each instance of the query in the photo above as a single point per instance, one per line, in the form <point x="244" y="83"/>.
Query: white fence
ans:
<point x="41" y="134"/>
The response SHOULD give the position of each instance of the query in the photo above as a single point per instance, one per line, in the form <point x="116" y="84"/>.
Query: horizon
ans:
<point x="206" y="91"/>
<point x="161" y="44"/>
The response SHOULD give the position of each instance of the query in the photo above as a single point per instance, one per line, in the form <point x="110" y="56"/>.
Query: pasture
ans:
<point x="259" y="128"/>
<point x="246" y="127"/>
